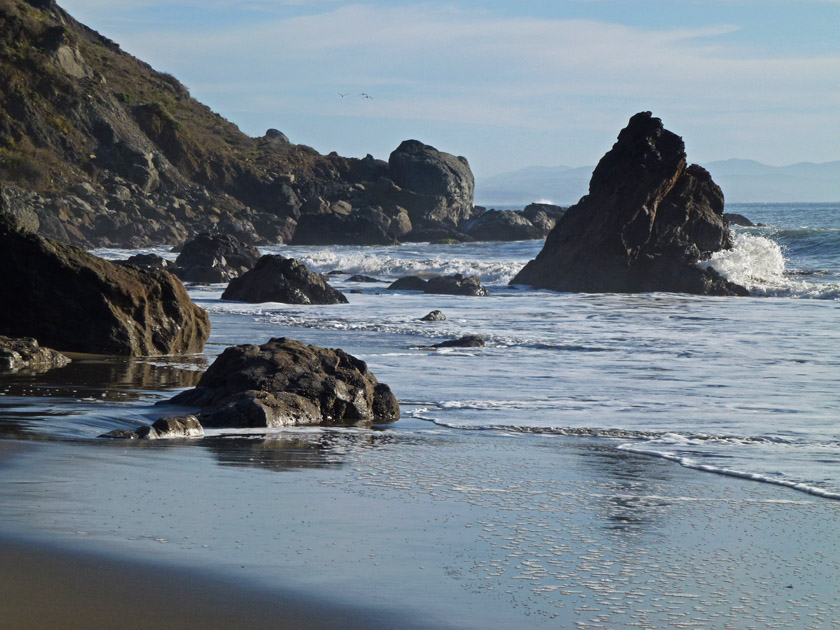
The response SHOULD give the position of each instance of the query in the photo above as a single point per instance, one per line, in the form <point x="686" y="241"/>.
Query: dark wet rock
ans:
<point x="408" y="283"/>
<point x="738" y="219"/>
<point x="367" y="226"/>
<point x="458" y="284"/>
<point x="434" y="316"/>
<point x="468" y="341"/>
<point x="504" y="225"/>
<point x="285" y="382"/>
<point x="363" y="278"/>
<point x="73" y="301"/>
<point x="180" y="427"/>
<point x="150" y="262"/>
<point x="279" y="279"/>
<point x="26" y="354"/>
<point x="646" y="222"/>
<point x="212" y="258"/>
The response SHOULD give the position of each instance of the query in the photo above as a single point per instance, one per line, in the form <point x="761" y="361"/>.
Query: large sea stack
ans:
<point x="647" y="221"/>
<point x="73" y="301"/>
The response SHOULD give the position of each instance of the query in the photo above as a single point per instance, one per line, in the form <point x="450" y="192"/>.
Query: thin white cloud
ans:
<point x="437" y="63"/>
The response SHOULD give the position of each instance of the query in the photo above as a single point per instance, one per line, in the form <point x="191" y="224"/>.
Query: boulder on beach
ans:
<point x="647" y="221"/>
<point x="73" y="301"/>
<point x="26" y="354"/>
<point x="212" y="258"/>
<point x="276" y="278"/>
<point x="285" y="382"/>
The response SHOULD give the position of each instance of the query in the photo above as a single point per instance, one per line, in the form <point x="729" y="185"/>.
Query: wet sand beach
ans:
<point x="438" y="528"/>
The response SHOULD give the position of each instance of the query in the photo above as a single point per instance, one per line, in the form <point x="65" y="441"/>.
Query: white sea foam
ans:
<point x="754" y="261"/>
<point x="392" y="264"/>
<point x="689" y="462"/>
<point x="759" y="264"/>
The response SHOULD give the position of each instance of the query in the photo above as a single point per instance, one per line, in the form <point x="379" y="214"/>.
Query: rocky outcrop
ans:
<point x="279" y="279"/>
<point x="212" y="258"/>
<point x="534" y="222"/>
<point x="26" y="354"/>
<point x="457" y="284"/>
<point x="285" y="382"/>
<point x="437" y="188"/>
<point x="350" y="226"/>
<point x="646" y="222"/>
<point x="73" y="301"/>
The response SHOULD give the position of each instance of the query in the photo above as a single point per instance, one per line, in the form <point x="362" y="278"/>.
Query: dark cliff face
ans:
<point x="646" y="222"/>
<point x="104" y="150"/>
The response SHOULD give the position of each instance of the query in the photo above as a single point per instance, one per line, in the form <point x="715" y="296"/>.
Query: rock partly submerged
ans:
<point x="533" y="222"/>
<point x="647" y="221"/>
<point x="433" y="316"/>
<point x="73" y="301"/>
<point x="283" y="382"/>
<point x="212" y="258"/>
<point x="25" y="353"/>
<point x="467" y="341"/>
<point x="276" y="278"/>
<point x="457" y="284"/>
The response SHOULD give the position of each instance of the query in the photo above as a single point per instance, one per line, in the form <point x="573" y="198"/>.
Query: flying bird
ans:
<point x="342" y="95"/>
<point x="366" y="95"/>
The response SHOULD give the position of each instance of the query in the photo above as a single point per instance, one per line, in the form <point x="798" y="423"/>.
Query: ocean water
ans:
<point x="744" y="387"/>
<point x="649" y="390"/>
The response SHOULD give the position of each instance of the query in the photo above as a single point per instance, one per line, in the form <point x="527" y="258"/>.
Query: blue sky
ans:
<point x="506" y="84"/>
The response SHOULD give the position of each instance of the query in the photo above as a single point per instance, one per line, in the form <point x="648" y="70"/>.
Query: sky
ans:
<point x="507" y="84"/>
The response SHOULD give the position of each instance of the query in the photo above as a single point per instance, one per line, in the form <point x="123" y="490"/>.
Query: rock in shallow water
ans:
<point x="434" y="316"/>
<point x="468" y="341"/>
<point x="646" y="222"/>
<point x="457" y="284"/>
<point x="279" y="279"/>
<point x="26" y="354"/>
<point x="211" y="258"/>
<point x="285" y="382"/>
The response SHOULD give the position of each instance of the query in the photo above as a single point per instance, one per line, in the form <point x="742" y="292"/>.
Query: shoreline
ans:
<point x="436" y="528"/>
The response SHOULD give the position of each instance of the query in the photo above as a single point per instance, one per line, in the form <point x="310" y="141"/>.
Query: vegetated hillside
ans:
<point x="98" y="148"/>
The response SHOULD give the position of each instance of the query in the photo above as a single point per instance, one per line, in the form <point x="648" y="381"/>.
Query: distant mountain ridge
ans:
<point x="742" y="181"/>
